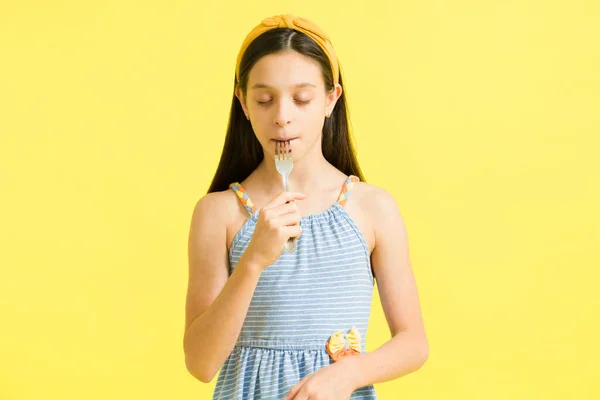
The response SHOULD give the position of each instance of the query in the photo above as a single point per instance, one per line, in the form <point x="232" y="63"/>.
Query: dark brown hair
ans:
<point x="242" y="152"/>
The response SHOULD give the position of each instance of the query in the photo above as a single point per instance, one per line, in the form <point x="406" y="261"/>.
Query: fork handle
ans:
<point x="285" y="182"/>
<point x="290" y="245"/>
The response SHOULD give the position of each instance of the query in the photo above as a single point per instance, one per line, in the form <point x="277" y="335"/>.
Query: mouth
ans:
<point x="284" y="140"/>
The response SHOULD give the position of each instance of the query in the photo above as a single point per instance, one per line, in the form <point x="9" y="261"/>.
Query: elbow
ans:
<point x="423" y="351"/>
<point x="202" y="376"/>
<point x="424" y="354"/>
<point x="201" y="371"/>
<point x="419" y="346"/>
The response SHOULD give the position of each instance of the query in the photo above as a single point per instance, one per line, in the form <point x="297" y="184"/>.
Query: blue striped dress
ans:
<point x="300" y="301"/>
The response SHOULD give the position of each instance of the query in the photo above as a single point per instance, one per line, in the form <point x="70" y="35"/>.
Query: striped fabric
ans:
<point x="303" y="299"/>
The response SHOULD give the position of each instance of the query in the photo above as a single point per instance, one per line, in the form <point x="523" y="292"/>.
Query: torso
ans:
<point x="322" y="289"/>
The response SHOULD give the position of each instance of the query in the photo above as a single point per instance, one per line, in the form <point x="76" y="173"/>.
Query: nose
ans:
<point x="283" y="114"/>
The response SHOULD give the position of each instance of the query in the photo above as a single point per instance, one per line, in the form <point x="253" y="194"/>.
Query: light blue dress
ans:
<point x="325" y="286"/>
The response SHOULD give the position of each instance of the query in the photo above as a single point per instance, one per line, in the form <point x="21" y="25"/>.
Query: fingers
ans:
<point x="283" y="198"/>
<point x="279" y="211"/>
<point x="295" y="389"/>
<point x="292" y="231"/>
<point x="287" y="219"/>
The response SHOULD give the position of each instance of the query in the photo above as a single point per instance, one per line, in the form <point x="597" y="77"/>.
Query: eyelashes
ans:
<point x="267" y="103"/>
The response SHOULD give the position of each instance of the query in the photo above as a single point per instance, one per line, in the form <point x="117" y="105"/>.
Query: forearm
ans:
<point x="404" y="353"/>
<point x="210" y="338"/>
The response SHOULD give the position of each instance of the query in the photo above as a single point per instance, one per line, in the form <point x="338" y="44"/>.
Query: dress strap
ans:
<point x="243" y="196"/>
<point x="348" y="185"/>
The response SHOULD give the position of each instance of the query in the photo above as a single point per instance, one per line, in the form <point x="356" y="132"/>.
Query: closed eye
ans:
<point x="266" y="103"/>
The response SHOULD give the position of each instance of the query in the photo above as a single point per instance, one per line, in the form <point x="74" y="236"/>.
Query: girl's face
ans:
<point x="286" y="100"/>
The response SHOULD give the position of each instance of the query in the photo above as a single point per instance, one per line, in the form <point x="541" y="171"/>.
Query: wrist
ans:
<point x="251" y="266"/>
<point x="353" y="370"/>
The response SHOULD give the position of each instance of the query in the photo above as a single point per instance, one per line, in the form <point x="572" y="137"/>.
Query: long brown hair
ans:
<point x="242" y="152"/>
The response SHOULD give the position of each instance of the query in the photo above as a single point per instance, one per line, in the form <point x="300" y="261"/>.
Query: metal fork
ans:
<point x="284" y="165"/>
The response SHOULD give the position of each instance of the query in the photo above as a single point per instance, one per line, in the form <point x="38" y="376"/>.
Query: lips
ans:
<point x="284" y="139"/>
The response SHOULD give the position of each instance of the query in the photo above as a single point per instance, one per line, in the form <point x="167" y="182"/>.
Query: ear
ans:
<point x="240" y="96"/>
<point x="332" y="98"/>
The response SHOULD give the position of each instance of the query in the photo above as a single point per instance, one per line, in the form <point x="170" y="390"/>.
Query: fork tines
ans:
<point x="283" y="150"/>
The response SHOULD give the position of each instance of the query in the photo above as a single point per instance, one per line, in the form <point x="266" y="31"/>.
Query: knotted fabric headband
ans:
<point x="299" y="24"/>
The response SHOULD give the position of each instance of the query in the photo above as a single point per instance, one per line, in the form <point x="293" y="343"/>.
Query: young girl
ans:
<point x="292" y="324"/>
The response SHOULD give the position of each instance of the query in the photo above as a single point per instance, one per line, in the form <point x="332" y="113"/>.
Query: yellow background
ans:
<point x="481" y="117"/>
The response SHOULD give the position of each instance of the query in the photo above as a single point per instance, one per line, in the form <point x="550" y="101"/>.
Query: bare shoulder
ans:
<point x="207" y="250"/>
<point x="375" y="200"/>
<point x="206" y="217"/>
<point x="211" y="216"/>
<point x="375" y="210"/>
<point x="215" y="205"/>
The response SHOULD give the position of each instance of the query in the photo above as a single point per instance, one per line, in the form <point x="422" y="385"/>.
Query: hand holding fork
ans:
<point x="284" y="165"/>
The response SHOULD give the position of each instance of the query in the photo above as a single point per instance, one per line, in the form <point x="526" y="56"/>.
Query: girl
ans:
<point x="292" y="325"/>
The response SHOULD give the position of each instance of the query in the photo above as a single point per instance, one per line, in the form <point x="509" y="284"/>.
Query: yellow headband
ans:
<point x="299" y="24"/>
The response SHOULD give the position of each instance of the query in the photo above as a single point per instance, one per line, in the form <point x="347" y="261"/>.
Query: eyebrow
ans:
<point x="298" y="85"/>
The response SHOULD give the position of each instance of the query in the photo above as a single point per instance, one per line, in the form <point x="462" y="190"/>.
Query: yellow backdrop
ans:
<point x="481" y="117"/>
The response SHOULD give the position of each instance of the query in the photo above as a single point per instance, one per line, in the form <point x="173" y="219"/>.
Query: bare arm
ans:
<point x="408" y="349"/>
<point x="216" y="305"/>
